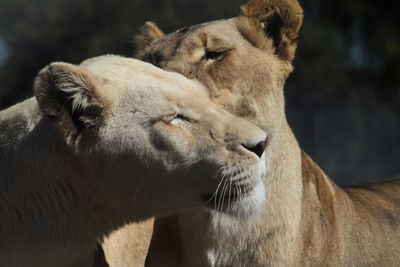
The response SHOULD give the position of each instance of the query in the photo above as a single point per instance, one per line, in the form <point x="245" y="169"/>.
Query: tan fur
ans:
<point x="128" y="244"/>
<point x="285" y="16"/>
<point x="149" y="34"/>
<point x="307" y="220"/>
<point x="112" y="141"/>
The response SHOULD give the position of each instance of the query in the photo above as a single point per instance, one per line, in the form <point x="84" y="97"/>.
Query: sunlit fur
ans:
<point x="95" y="149"/>
<point x="306" y="220"/>
<point x="248" y="194"/>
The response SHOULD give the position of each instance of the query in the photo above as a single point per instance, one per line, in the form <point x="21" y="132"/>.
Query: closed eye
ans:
<point x="213" y="55"/>
<point x="173" y="118"/>
<point x="182" y="117"/>
<point x="181" y="121"/>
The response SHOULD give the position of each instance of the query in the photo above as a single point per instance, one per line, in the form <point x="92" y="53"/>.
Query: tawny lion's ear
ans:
<point x="149" y="33"/>
<point x="280" y="20"/>
<point x="68" y="95"/>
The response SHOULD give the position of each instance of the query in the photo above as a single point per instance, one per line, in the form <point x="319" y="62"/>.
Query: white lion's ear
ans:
<point x="279" y="20"/>
<point x="149" y="33"/>
<point x="69" y="96"/>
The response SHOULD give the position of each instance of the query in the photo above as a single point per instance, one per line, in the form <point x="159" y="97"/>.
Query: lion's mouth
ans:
<point x="244" y="200"/>
<point x="227" y="196"/>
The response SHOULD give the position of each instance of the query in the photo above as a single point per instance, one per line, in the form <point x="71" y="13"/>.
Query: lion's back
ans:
<point x="376" y="221"/>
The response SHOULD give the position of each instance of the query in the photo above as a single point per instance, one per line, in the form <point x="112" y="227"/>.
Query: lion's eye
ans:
<point x="182" y="117"/>
<point x="168" y="118"/>
<point x="213" y="55"/>
<point x="171" y="118"/>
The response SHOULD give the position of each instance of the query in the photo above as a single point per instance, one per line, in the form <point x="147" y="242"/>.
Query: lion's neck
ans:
<point x="226" y="241"/>
<point x="50" y="197"/>
<point x="39" y="182"/>
<point x="319" y="227"/>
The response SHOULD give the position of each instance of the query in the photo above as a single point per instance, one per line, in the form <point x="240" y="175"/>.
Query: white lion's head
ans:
<point x="152" y="141"/>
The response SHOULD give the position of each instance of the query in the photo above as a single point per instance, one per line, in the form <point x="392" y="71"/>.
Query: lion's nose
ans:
<point x="257" y="149"/>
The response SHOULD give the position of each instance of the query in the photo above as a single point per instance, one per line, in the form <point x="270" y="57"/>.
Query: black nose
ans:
<point x="257" y="149"/>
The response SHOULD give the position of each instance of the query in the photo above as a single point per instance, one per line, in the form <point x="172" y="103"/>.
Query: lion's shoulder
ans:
<point x="381" y="194"/>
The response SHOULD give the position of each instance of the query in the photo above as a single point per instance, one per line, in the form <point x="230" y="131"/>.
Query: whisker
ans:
<point x="219" y="190"/>
<point x="240" y="193"/>
<point x="223" y="195"/>
<point x="229" y="200"/>
<point x="215" y="193"/>
<point x="220" y="172"/>
<point x="220" y="194"/>
<point x="221" y="200"/>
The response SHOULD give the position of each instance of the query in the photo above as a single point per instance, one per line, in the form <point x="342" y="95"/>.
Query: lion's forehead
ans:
<point x="218" y="30"/>
<point x="118" y="74"/>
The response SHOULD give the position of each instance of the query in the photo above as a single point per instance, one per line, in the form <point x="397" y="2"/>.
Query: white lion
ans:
<point x="111" y="141"/>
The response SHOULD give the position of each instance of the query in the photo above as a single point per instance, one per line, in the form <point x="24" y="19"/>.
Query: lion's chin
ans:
<point x="250" y="205"/>
<point x="247" y="206"/>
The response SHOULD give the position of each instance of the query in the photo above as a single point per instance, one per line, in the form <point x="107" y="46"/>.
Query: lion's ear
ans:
<point x="69" y="96"/>
<point x="149" y="33"/>
<point x="278" y="19"/>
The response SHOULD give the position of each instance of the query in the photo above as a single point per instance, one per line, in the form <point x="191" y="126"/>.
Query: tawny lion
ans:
<point x="306" y="220"/>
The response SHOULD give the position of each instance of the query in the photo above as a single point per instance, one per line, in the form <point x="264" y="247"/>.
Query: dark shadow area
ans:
<point x="343" y="100"/>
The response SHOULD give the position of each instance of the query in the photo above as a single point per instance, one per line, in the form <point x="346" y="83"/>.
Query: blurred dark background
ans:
<point x="343" y="100"/>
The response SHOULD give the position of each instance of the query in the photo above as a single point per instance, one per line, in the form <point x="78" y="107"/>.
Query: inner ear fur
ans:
<point x="149" y="33"/>
<point x="69" y="96"/>
<point x="279" y="20"/>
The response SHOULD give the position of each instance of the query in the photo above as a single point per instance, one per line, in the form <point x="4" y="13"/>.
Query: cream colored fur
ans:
<point x="306" y="220"/>
<point x="128" y="245"/>
<point x="111" y="141"/>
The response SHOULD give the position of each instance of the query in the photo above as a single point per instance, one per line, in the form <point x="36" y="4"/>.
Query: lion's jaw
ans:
<point x="225" y="240"/>
<point x="250" y="204"/>
<point x="240" y="192"/>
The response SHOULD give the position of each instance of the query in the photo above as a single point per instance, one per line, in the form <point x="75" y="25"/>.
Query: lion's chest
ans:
<point x="230" y="243"/>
